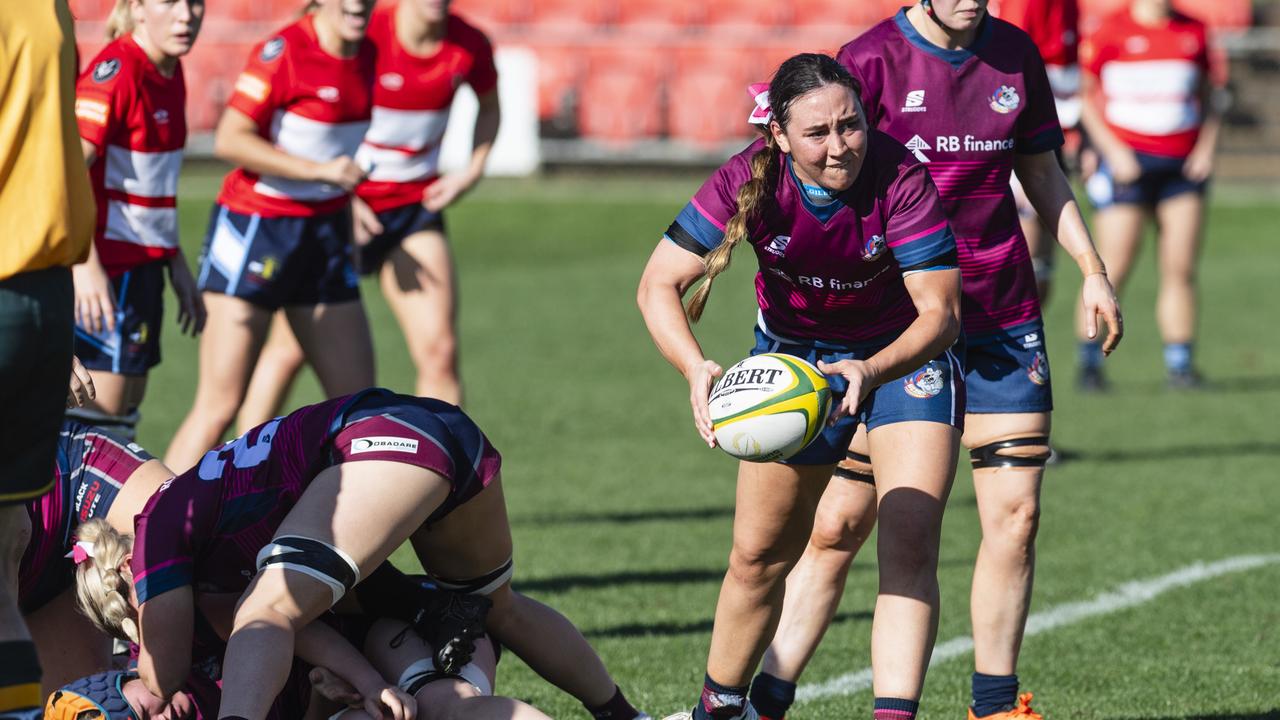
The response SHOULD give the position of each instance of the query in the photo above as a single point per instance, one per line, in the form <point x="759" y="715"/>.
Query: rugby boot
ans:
<point x="1021" y="711"/>
<point x="1183" y="380"/>
<point x="748" y="713"/>
<point x="1091" y="380"/>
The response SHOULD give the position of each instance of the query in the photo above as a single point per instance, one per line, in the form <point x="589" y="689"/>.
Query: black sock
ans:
<point x="993" y="693"/>
<point x="720" y="701"/>
<point x="772" y="696"/>
<point x="617" y="708"/>
<point x="19" y="677"/>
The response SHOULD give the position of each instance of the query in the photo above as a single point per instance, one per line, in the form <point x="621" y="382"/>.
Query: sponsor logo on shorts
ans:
<point x="272" y="49"/>
<point x="264" y="269"/>
<point x="106" y="70"/>
<point x="915" y="102"/>
<point x="1031" y="340"/>
<point x="140" y="335"/>
<point x="874" y="248"/>
<point x="925" y="383"/>
<point x="1005" y="99"/>
<point x="778" y="246"/>
<point x="384" y="443"/>
<point x="1038" y="373"/>
<point x="915" y="145"/>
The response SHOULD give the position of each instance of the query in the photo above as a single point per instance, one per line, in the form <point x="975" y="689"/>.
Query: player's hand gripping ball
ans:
<point x="769" y="407"/>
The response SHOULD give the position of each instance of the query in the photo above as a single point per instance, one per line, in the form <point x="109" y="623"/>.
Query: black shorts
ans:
<point x="397" y="224"/>
<point x="277" y="261"/>
<point x="1161" y="179"/>
<point x="133" y="347"/>
<point x="36" y="321"/>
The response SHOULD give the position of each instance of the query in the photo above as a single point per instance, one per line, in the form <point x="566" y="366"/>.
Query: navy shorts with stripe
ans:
<point x="933" y="393"/>
<point x="133" y="348"/>
<point x="1007" y="371"/>
<point x="397" y="224"/>
<point x="277" y="261"/>
<point x="1161" y="179"/>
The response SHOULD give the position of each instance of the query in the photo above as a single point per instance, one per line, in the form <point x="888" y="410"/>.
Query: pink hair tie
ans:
<point x="762" y="113"/>
<point x="80" y="552"/>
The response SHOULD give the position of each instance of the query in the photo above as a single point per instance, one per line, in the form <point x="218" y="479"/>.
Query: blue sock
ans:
<point x="993" y="693"/>
<point x="1177" y="357"/>
<point x="772" y="696"/>
<point x="720" y="701"/>
<point x="895" y="709"/>
<point x="1090" y="352"/>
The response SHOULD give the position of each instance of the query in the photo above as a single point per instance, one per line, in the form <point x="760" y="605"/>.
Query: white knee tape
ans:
<point x="313" y="558"/>
<point x="426" y="669"/>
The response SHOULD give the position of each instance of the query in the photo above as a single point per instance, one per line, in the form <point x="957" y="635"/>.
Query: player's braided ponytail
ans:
<point x="120" y="21"/>
<point x="102" y="591"/>
<point x="796" y="76"/>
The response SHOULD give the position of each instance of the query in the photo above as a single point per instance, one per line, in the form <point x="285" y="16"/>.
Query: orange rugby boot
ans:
<point x="1021" y="711"/>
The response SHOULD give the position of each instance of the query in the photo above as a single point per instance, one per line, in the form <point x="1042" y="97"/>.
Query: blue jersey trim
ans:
<point x="927" y="248"/>
<point x="1045" y="141"/>
<point x="699" y="227"/>
<point x="824" y="213"/>
<point x="957" y="57"/>
<point x="159" y="582"/>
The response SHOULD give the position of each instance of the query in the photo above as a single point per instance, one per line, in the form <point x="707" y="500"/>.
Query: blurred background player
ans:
<point x="968" y="94"/>
<point x="131" y="109"/>
<point x="1054" y="26"/>
<point x="280" y="233"/>
<point x="424" y="53"/>
<point x="46" y="225"/>
<point x="857" y="274"/>
<point x="97" y="475"/>
<point x="1150" y="114"/>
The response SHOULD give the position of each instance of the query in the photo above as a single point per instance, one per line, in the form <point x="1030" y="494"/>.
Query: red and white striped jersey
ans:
<point x="1054" y="25"/>
<point x="1150" y="80"/>
<point x="136" y="119"/>
<point x="309" y="104"/>
<point x="411" y="102"/>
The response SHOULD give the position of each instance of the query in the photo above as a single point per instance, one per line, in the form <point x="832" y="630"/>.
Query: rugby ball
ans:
<point x="769" y="407"/>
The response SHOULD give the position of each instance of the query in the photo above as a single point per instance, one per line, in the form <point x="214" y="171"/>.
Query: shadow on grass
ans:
<point x="627" y="630"/>
<point x="1255" y="447"/>
<point x="1267" y="715"/>
<point x="1250" y="384"/>
<point x="561" y="583"/>
<point x="627" y="517"/>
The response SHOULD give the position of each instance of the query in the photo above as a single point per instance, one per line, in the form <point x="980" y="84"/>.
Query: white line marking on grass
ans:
<point x="1130" y="594"/>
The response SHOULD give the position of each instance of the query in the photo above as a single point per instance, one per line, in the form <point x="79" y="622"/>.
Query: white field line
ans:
<point x="1130" y="594"/>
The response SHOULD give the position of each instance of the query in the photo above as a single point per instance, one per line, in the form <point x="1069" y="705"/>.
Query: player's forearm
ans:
<point x="936" y="327"/>
<point x="1100" y="134"/>
<point x="248" y="150"/>
<point x="485" y="133"/>
<point x="320" y="645"/>
<point x="1050" y="194"/>
<point x="664" y="315"/>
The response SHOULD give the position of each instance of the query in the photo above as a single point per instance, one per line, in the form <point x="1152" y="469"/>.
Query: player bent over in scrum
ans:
<point x="282" y="516"/>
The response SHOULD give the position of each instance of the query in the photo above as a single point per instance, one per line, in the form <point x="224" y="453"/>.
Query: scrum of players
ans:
<point x="250" y="585"/>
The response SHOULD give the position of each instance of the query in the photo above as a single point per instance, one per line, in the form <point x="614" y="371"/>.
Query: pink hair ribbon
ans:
<point x="80" y="552"/>
<point x="762" y="113"/>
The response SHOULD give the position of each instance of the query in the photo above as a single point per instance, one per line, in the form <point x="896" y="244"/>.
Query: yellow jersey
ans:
<point x="46" y="204"/>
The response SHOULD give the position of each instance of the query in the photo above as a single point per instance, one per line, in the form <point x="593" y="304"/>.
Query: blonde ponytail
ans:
<point x="764" y="165"/>
<point x="102" y="591"/>
<point x="120" y="21"/>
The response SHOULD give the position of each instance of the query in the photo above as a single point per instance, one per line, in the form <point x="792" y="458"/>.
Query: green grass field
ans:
<point x="622" y="518"/>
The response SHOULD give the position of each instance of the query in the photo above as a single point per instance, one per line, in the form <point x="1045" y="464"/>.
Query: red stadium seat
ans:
<point x="657" y="17"/>
<point x="709" y="107"/>
<point x="493" y="15"/>
<point x="211" y="70"/>
<point x="569" y="16"/>
<point x="849" y="16"/>
<point x="745" y="17"/>
<point x="622" y="96"/>
<point x="560" y="72"/>
<point x="1222" y="15"/>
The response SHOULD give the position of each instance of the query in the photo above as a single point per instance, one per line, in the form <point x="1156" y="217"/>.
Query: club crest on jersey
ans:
<point x="391" y="81"/>
<point x="106" y="70"/>
<point x="161" y="116"/>
<point x="873" y="248"/>
<point x="272" y="49"/>
<point x="925" y="383"/>
<point x="1038" y="373"/>
<point x="1005" y="99"/>
<point x="328" y="93"/>
<point x="778" y="246"/>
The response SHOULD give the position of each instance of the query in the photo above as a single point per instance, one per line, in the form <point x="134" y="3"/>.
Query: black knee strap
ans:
<point x="856" y="475"/>
<point x="989" y="456"/>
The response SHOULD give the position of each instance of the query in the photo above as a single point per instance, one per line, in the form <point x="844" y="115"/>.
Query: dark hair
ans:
<point x="796" y="76"/>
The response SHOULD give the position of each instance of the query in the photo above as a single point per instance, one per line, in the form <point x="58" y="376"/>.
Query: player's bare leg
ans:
<point x="912" y="487"/>
<point x="334" y="509"/>
<point x="70" y="646"/>
<point x="844" y="520"/>
<point x="278" y="366"/>
<point x="474" y="540"/>
<point x="1009" y="511"/>
<point x="418" y="280"/>
<point x="1118" y="234"/>
<point x="115" y="404"/>
<point x="1180" y="219"/>
<point x="336" y="341"/>
<point x="229" y="347"/>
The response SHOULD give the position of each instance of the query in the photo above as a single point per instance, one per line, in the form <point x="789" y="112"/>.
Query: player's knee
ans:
<point x="1020" y="452"/>
<point x="841" y="531"/>
<point x="755" y="567"/>
<point x="436" y="355"/>
<point x="1020" y="524"/>
<point x="907" y="544"/>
